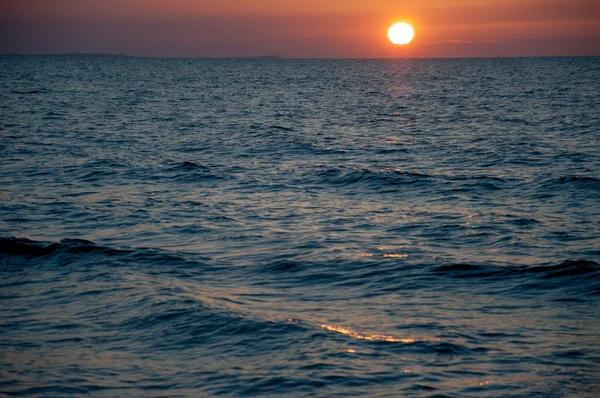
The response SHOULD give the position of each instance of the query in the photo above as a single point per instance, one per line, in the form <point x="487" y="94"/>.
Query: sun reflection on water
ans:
<point x="395" y="255"/>
<point x="385" y="254"/>
<point x="373" y="337"/>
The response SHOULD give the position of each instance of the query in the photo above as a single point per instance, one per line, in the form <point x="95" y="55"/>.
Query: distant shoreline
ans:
<point x="128" y="56"/>
<point x="69" y="55"/>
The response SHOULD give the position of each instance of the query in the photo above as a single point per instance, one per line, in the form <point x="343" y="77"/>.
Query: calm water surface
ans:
<point x="299" y="227"/>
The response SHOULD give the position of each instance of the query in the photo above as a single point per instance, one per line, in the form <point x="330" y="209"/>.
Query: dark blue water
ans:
<point x="299" y="227"/>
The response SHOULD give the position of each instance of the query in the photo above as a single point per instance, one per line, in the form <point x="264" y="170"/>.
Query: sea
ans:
<point x="299" y="227"/>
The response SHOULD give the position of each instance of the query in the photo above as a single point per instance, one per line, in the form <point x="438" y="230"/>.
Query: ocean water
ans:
<point x="264" y="227"/>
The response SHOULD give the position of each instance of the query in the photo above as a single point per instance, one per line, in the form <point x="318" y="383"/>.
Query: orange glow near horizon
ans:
<point x="299" y="29"/>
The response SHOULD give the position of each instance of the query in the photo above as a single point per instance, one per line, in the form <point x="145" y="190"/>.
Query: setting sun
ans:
<point x="401" y="33"/>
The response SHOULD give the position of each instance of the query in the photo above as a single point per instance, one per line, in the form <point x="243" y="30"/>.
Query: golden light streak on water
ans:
<point x="387" y="255"/>
<point x="374" y="337"/>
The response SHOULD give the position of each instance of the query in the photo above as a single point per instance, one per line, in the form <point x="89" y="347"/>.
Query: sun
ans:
<point x="401" y="33"/>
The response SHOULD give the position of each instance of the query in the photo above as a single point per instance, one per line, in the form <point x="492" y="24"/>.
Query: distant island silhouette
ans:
<point x="123" y="55"/>
<point x="70" y="55"/>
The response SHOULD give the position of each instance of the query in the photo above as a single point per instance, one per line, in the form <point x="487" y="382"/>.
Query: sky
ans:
<point x="301" y="28"/>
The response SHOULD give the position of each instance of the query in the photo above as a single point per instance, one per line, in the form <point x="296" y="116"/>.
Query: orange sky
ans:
<point x="300" y="28"/>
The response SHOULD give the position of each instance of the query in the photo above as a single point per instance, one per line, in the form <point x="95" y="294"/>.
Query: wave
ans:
<point x="281" y="128"/>
<point x="13" y="246"/>
<point x="375" y="273"/>
<point x="42" y="91"/>
<point x="191" y="166"/>
<point x="26" y="247"/>
<point x="387" y="176"/>
<point x="566" y="268"/>
<point x="192" y="172"/>
<point x="583" y="182"/>
<point x="68" y="250"/>
<point x="563" y="180"/>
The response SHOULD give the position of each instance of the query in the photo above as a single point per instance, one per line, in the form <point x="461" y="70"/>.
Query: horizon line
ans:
<point x="279" y="57"/>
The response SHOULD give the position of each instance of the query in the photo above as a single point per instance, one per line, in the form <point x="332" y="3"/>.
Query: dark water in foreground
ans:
<point x="299" y="227"/>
